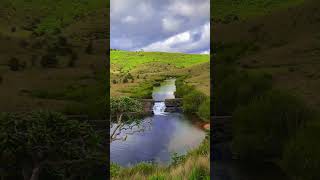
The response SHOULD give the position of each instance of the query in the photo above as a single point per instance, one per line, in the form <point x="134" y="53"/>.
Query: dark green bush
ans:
<point x="192" y="101"/>
<point x="14" y="64"/>
<point x="239" y="88"/>
<point x="49" y="61"/>
<point x="301" y="157"/>
<point x="204" y="110"/>
<point x="262" y="127"/>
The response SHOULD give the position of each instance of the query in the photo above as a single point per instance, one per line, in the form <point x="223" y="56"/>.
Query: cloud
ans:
<point x="137" y="24"/>
<point x="171" y="24"/>
<point x="129" y="20"/>
<point x="184" y="42"/>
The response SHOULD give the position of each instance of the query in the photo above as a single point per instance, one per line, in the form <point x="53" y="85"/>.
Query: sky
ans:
<point x="160" y="25"/>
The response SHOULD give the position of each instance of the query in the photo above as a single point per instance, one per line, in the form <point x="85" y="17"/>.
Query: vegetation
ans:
<point x="226" y="12"/>
<point x="42" y="144"/>
<point x="194" y="165"/>
<point x="265" y="125"/>
<point x="123" y="111"/>
<point x="269" y="90"/>
<point x="194" y="101"/>
<point x="129" y="60"/>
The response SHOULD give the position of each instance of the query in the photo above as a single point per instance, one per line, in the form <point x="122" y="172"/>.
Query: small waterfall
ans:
<point x="159" y="108"/>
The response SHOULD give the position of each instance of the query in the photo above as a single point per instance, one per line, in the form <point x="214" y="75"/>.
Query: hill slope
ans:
<point x="140" y="67"/>
<point x="73" y="34"/>
<point x="284" y="43"/>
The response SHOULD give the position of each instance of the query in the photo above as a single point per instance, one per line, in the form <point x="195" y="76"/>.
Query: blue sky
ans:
<point x="160" y="25"/>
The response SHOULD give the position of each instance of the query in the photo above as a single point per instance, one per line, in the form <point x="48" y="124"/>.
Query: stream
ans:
<point x="164" y="134"/>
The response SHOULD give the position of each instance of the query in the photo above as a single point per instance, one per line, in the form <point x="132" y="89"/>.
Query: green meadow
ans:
<point x="129" y="60"/>
<point x="244" y="9"/>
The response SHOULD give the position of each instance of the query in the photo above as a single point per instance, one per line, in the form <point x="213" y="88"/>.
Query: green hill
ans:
<point x="52" y="55"/>
<point x="134" y="69"/>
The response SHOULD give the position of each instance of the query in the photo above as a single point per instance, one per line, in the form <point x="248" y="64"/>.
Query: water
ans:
<point x="164" y="134"/>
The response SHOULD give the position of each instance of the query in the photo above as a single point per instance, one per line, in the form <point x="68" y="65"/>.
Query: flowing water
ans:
<point x="164" y="134"/>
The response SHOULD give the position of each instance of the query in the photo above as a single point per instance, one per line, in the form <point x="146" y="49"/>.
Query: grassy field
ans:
<point x="73" y="35"/>
<point x="228" y="11"/>
<point x="141" y="67"/>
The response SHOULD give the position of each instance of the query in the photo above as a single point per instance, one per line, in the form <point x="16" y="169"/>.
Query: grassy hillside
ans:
<point x="52" y="55"/>
<point x="141" y="67"/>
<point x="130" y="60"/>
<point x="267" y="77"/>
<point x="228" y="10"/>
<point x="283" y="44"/>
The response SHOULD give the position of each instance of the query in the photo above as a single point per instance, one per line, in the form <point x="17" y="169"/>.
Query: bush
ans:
<point x="89" y="48"/>
<point x="49" y="61"/>
<point x="262" y="127"/>
<point x="114" y="81"/>
<point x="301" y="157"/>
<point x="239" y="88"/>
<point x="125" y="80"/>
<point x="204" y="110"/>
<point x="176" y="159"/>
<point x="114" y="170"/>
<point x="14" y="64"/>
<point x="192" y="101"/>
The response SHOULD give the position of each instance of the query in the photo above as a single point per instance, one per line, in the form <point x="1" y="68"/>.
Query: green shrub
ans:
<point x="204" y="110"/>
<point x="192" y="101"/>
<point x="301" y="157"/>
<point x="177" y="159"/>
<point x="262" y="127"/>
<point x="114" y="169"/>
<point x="239" y="89"/>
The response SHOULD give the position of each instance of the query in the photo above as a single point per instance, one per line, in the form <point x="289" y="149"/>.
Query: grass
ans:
<point x="53" y="15"/>
<point x="127" y="60"/>
<point x="146" y="67"/>
<point x="245" y="9"/>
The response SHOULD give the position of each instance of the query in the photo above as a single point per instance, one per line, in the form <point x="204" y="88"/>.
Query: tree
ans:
<point x="124" y="117"/>
<point x="35" y="141"/>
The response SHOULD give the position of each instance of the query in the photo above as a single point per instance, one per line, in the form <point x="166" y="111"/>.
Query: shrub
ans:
<point x="192" y="101"/>
<point x="14" y="64"/>
<point x="204" y="110"/>
<point x="301" y="157"/>
<point x="114" y="81"/>
<point x="262" y="127"/>
<point x="114" y="170"/>
<point x="176" y="159"/>
<point x="23" y="43"/>
<point x="49" y="61"/>
<point x="89" y="48"/>
<point x="238" y="89"/>
<point x="125" y="80"/>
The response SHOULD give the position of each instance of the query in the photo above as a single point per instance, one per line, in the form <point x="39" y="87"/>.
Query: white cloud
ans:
<point x="183" y="42"/>
<point x="166" y="25"/>
<point x="205" y="52"/>
<point x="189" y="8"/>
<point x="171" y="24"/>
<point x="129" y="20"/>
